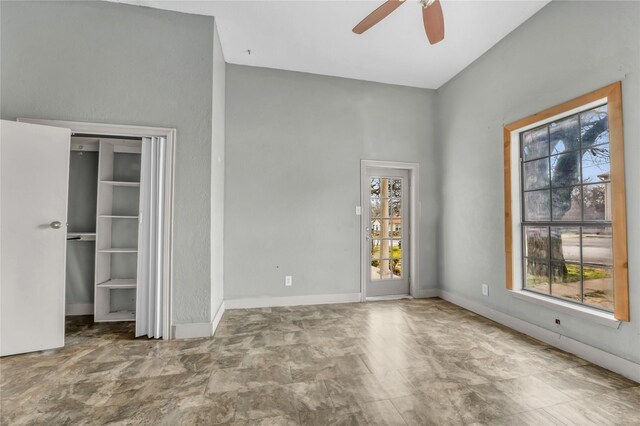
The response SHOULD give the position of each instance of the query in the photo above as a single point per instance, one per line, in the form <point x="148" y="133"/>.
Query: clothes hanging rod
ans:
<point x="90" y="135"/>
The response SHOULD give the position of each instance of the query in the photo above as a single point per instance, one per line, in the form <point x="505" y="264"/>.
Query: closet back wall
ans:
<point x="114" y="63"/>
<point x="81" y="217"/>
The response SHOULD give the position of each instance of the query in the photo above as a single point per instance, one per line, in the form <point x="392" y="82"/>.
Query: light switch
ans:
<point x="358" y="210"/>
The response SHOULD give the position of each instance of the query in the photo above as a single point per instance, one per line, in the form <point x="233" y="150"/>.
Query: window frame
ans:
<point x="611" y="95"/>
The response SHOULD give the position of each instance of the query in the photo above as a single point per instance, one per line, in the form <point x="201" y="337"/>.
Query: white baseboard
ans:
<point x="198" y="329"/>
<point x="270" y="302"/>
<point x="78" y="309"/>
<point x="217" y="318"/>
<point x="192" y="330"/>
<point x="427" y="293"/>
<point x="597" y="356"/>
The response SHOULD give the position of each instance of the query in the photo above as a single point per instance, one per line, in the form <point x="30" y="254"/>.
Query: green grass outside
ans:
<point x="573" y="275"/>
<point x="396" y="252"/>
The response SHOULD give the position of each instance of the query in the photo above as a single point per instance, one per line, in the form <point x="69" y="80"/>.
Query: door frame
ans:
<point x="81" y="128"/>
<point x="414" y="212"/>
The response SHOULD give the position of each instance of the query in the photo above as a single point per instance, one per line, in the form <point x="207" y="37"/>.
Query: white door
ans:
<point x="34" y="178"/>
<point x="387" y="231"/>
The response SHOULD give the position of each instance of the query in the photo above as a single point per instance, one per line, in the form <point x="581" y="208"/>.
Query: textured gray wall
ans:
<point x="114" y="63"/>
<point x="565" y="50"/>
<point x="294" y="145"/>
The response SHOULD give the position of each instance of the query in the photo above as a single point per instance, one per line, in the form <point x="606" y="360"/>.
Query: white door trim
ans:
<point x="414" y="212"/>
<point x="169" y="134"/>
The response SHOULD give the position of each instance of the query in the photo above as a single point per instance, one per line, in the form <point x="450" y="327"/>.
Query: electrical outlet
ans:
<point x="558" y="322"/>
<point x="288" y="281"/>
<point x="485" y="290"/>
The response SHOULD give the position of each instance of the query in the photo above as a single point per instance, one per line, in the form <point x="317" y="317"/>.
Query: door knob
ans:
<point x="56" y="224"/>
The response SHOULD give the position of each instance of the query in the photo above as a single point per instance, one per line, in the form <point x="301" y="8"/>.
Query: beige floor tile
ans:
<point x="418" y="362"/>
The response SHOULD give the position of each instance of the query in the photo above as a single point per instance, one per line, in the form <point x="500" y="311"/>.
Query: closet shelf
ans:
<point x="119" y="316"/>
<point x="118" y="283"/>
<point x="118" y="250"/>
<point x="110" y="216"/>
<point x="81" y="236"/>
<point x="119" y="183"/>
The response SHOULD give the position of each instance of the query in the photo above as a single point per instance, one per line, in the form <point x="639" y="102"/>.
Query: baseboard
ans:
<point x="597" y="356"/>
<point x="427" y="293"/>
<point x="217" y="318"/>
<point x="270" y="302"/>
<point x="78" y="309"/>
<point x="390" y="297"/>
<point x="192" y="330"/>
<point x="198" y="329"/>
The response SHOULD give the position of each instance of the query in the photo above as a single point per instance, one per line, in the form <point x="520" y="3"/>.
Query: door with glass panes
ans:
<point x="387" y="232"/>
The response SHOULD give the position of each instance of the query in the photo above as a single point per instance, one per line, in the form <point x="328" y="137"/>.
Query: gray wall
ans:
<point x="294" y="145"/>
<point x="217" y="175"/>
<point x="113" y="63"/>
<point x="566" y="50"/>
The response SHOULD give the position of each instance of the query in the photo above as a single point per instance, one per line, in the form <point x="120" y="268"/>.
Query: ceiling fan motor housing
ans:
<point x="426" y="3"/>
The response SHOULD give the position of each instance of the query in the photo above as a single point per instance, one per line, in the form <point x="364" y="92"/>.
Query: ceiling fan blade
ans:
<point x="433" y="22"/>
<point x="377" y="15"/>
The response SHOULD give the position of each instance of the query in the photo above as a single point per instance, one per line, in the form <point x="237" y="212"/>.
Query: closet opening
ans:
<point x="119" y="229"/>
<point x="102" y="227"/>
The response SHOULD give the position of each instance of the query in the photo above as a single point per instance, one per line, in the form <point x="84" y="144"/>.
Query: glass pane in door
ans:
<point x="385" y="228"/>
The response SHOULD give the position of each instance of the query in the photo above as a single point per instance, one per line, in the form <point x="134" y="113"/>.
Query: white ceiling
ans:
<point x="316" y="37"/>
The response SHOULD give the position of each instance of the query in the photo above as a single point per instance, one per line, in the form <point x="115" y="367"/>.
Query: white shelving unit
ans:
<point x="117" y="231"/>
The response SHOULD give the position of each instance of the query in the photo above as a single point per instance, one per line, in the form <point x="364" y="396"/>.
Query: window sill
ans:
<point x="594" y="315"/>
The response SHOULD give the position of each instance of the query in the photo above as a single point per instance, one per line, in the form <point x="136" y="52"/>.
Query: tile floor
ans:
<point x="419" y="362"/>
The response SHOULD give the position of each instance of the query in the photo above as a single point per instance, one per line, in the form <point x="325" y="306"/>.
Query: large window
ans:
<point x="571" y="221"/>
<point x="566" y="215"/>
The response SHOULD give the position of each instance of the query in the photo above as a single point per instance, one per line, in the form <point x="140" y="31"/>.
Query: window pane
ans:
<point x="375" y="270"/>
<point x="395" y="207"/>
<point x="536" y="205"/>
<point x="536" y="241"/>
<point x="566" y="203"/>
<point x="375" y="188"/>
<point x="396" y="249"/>
<point x="375" y="248"/>
<point x="396" y="228"/>
<point x="598" y="287"/>
<point x="595" y="164"/>
<point x="536" y="174"/>
<point x="596" y="245"/>
<point x="565" y="243"/>
<point x="565" y="169"/>
<point x="380" y="270"/>
<point x="594" y="126"/>
<point x="565" y="135"/>
<point x="376" y="228"/>
<point x="392" y="249"/>
<point x="535" y="143"/>
<point x="565" y="280"/>
<point x="374" y="207"/>
<point x="395" y="188"/>
<point x="597" y="202"/>
<point x="397" y="268"/>
<point x="381" y="228"/>
<point x="537" y="275"/>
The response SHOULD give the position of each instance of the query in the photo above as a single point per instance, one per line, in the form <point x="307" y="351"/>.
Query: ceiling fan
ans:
<point x="431" y="16"/>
